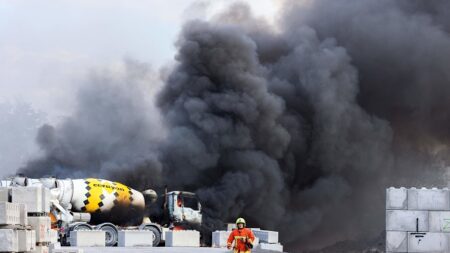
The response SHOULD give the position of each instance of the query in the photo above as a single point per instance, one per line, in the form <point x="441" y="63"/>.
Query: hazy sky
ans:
<point x="48" y="47"/>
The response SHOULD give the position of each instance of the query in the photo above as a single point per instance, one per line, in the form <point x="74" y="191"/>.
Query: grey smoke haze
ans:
<point x="19" y="124"/>
<point x="298" y="128"/>
<point x="113" y="127"/>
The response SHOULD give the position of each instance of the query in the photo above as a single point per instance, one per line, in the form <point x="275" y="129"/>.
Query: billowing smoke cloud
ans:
<point x="114" y="126"/>
<point x="297" y="128"/>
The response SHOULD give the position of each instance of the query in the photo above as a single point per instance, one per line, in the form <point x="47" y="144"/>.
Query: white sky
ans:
<point x="48" y="46"/>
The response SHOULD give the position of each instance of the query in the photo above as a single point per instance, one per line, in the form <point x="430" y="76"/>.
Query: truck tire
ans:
<point x="111" y="233"/>
<point x="81" y="226"/>
<point x="156" y="234"/>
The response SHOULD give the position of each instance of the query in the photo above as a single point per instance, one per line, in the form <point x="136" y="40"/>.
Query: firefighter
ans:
<point x="243" y="238"/>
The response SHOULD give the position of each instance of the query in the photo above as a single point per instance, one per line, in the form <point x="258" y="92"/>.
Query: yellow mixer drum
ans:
<point x="108" y="201"/>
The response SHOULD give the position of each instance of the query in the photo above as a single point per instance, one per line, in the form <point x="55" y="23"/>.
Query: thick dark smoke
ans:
<point x="298" y="128"/>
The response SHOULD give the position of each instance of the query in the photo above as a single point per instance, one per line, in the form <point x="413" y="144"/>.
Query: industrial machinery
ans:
<point x="110" y="206"/>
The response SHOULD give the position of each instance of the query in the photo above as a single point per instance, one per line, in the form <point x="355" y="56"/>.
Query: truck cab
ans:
<point x="184" y="208"/>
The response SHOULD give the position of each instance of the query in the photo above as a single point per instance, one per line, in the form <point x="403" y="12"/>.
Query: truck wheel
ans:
<point x="156" y="234"/>
<point x="111" y="234"/>
<point x="81" y="226"/>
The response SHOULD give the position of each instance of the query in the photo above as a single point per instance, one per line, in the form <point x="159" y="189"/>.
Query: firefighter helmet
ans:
<point x="240" y="220"/>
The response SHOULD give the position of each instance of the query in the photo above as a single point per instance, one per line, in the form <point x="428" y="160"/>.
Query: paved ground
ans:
<point x="156" y="250"/>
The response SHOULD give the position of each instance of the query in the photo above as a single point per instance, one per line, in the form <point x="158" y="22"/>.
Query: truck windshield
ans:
<point x="190" y="202"/>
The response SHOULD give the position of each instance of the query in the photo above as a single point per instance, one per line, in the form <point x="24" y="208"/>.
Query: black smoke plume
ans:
<point x="298" y="127"/>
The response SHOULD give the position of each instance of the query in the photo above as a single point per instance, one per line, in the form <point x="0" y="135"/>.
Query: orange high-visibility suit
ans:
<point x="240" y="237"/>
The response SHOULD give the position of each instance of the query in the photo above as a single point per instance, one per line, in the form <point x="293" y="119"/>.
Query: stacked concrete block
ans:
<point x="406" y="220"/>
<point x="183" y="238"/>
<point x="27" y="240"/>
<point x="53" y="236"/>
<point x="428" y="242"/>
<point x="135" y="238"/>
<point x="219" y="239"/>
<point x="54" y="246"/>
<point x="428" y="199"/>
<point x="5" y="193"/>
<point x="439" y="221"/>
<point x="396" y="241"/>
<point x="417" y="220"/>
<point x="15" y="220"/>
<point x="9" y="239"/>
<point x="36" y="198"/>
<point x="42" y="226"/>
<point x="396" y="198"/>
<point x="9" y="213"/>
<point x="87" y="238"/>
<point x="23" y="214"/>
<point x="41" y="249"/>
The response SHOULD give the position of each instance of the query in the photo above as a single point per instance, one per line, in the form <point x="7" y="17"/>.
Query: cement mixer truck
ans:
<point x="86" y="204"/>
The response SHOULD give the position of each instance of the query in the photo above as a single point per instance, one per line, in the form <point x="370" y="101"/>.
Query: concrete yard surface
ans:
<point x="157" y="250"/>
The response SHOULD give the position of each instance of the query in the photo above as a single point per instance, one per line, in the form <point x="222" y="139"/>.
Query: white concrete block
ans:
<point x="428" y="242"/>
<point x="42" y="226"/>
<point x="396" y="241"/>
<point x="41" y="249"/>
<point x="4" y="194"/>
<point x="67" y="250"/>
<point x="396" y="198"/>
<point x="266" y="236"/>
<point x="270" y="246"/>
<point x="37" y="199"/>
<point x="9" y="240"/>
<point x="183" y="238"/>
<point x="428" y="199"/>
<point x="406" y="220"/>
<point x="134" y="238"/>
<point x="9" y="213"/>
<point x="54" y="246"/>
<point x="163" y="233"/>
<point x="27" y="240"/>
<point x="23" y="215"/>
<point x="87" y="238"/>
<point x="53" y="236"/>
<point x="219" y="238"/>
<point x="439" y="221"/>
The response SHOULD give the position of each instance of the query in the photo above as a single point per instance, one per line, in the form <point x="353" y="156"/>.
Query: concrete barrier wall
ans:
<point x="183" y="238"/>
<point x="87" y="238"/>
<point x="428" y="199"/>
<point x="428" y="242"/>
<point x="37" y="199"/>
<point x="42" y="226"/>
<point x="396" y="198"/>
<point x="27" y="240"/>
<point x="266" y="236"/>
<point x="417" y="220"/>
<point x="439" y="221"/>
<point x="407" y="220"/>
<point x="219" y="238"/>
<point x="135" y="238"/>
<point x="9" y="240"/>
<point x="9" y="213"/>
